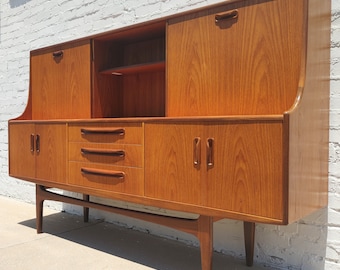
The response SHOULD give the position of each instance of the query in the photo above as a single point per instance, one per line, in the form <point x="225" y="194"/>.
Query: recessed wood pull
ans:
<point x="57" y="54"/>
<point x="99" y="172"/>
<point x="103" y="152"/>
<point x="233" y="14"/>
<point x="114" y="131"/>
<point x="37" y="143"/>
<point x="210" y="152"/>
<point x="32" y="142"/>
<point x="197" y="151"/>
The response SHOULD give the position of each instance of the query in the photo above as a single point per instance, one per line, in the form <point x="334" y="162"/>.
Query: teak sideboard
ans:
<point x="220" y="111"/>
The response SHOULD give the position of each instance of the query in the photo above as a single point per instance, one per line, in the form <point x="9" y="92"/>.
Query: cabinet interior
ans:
<point x="129" y="73"/>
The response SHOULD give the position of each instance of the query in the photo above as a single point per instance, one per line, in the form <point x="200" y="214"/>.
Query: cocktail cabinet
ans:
<point x="220" y="111"/>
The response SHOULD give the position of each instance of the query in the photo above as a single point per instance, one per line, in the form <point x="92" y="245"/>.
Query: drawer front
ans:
<point x="127" y="133"/>
<point x="109" y="154"/>
<point x="108" y="178"/>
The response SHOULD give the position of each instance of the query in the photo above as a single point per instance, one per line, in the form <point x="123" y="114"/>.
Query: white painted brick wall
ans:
<point x="309" y="244"/>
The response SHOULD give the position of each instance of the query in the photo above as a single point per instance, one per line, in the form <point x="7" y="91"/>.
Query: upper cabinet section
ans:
<point x="61" y="82"/>
<point x="237" y="59"/>
<point x="129" y="72"/>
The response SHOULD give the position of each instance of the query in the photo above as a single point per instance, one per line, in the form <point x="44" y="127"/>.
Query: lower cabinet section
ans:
<point x="232" y="167"/>
<point x="229" y="167"/>
<point x="213" y="168"/>
<point x="126" y="180"/>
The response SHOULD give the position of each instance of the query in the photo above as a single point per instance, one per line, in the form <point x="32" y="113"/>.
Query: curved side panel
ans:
<point x="308" y="121"/>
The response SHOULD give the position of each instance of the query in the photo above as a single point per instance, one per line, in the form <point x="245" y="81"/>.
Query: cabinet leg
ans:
<point x="205" y="236"/>
<point x="86" y="198"/>
<point x="39" y="204"/>
<point x="249" y="237"/>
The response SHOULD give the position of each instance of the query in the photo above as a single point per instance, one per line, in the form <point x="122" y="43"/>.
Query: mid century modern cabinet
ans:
<point x="221" y="112"/>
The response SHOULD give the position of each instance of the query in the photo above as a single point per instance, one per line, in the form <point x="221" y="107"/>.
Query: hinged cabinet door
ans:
<point x="38" y="151"/>
<point x="51" y="152"/>
<point x="170" y="170"/>
<point x="235" y="168"/>
<point x="61" y="82"/>
<point x="21" y="150"/>
<point x="245" y="175"/>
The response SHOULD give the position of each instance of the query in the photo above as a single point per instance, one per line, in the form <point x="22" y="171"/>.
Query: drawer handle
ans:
<point x="210" y="152"/>
<point x="233" y="14"/>
<point x="100" y="131"/>
<point x="104" y="152"/>
<point x="57" y="54"/>
<point x="99" y="172"/>
<point x="197" y="151"/>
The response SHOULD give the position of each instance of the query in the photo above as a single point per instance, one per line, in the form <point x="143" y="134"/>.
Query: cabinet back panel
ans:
<point x="144" y="94"/>
<point x="242" y="66"/>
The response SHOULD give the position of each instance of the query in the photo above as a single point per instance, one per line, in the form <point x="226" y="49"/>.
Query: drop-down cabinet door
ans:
<point x="233" y="168"/>
<point x="230" y="60"/>
<point x="61" y="82"/>
<point x="38" y="151"/>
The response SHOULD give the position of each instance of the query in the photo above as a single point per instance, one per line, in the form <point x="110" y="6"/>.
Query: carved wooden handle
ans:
<point x="37" y="143"/>
<point x="197" y="151"/>
<point x="32" y="142"/>
<point x="99" y="172"/>
<point x="233" y="14"/>
<point x="210" y="152"/>
<point x="57" y="54"/>
<point x="103" y="152"/>
<point x="114" y="131"/>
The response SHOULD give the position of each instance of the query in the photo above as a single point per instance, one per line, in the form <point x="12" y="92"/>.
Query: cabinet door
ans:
<point x="170" y="172"/>
<point x="21" y="151"/>
<point x="51" y="157"/>
<point x="246" y="173"/>
<point x="61" y="82"/>
<point x="37" y="151"/>
<point x="246" y="62"/>
<point x="239" y="166"/>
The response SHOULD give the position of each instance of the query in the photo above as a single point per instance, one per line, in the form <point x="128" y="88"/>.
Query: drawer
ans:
<point x="127" y="133"/>
<point x="109" y="154"/>
<point x="108" y="178"/>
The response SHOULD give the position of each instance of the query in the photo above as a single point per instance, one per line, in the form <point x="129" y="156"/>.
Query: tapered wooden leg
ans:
<point x="86" y="198"/>
<point x="249" y="241"/>
<point x="39" y="204"/>
<point x="205" y="236"/>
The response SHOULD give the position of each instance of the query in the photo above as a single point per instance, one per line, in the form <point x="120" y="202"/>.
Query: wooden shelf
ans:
<point x="139" y="68"/>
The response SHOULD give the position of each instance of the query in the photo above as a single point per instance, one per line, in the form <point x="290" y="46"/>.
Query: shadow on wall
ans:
<point x="17" y="3"/>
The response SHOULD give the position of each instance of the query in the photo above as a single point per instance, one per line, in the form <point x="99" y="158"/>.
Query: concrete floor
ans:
<point x="69" y="243"/>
